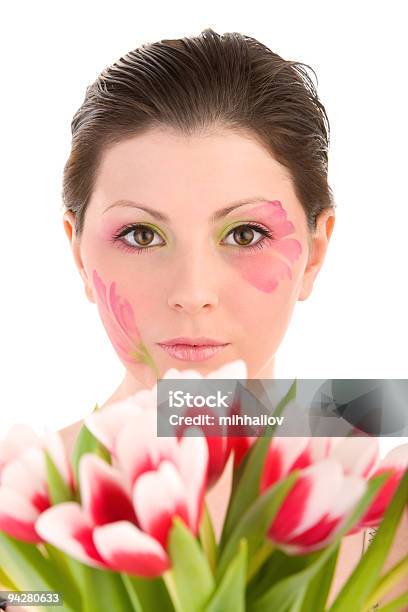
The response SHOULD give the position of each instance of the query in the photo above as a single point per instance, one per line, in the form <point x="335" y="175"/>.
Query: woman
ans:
<point x="207" y="156"/>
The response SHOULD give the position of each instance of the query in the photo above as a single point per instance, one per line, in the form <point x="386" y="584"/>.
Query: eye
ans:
<point x="138" y="237"/>
<point x="244" y="235"/>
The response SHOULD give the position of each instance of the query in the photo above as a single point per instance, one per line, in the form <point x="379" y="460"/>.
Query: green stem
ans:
<point x="168" y="578"/>
<point x="144" y="356"/>
<point x="207" y="538"/>
<point x="385" y="584"/>
<point x="131" y="592"/>
<point x="259" y="558"/>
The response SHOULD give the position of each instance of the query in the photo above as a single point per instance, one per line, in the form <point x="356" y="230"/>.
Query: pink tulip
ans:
<point x="127" y="508"/>
<point x="106" y="425"/>
<point x="394" y="464"/>
<point x="333" y="477"/>
<point x="23" y="479"/>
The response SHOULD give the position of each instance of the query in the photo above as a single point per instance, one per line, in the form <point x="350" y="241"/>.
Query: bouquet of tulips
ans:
<point x="123" y="524"/>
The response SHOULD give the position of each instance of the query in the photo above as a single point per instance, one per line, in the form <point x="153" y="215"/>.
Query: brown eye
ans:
<point x="140" y="236"/>
<point x="143" y="235"/>
<point x="243" y="235"/>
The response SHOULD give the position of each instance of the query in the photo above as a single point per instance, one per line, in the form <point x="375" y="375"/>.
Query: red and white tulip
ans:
<point x="23" y="479"/>
<point x="333" y="477"/>
<point x="126" y="509"/>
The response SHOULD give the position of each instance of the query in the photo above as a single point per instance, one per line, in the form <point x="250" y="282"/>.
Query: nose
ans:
<point x="194" y="290"/>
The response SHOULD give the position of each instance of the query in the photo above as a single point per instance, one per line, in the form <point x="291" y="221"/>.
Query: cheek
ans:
<point x="265" y="270"/>
<point x="118" y="317"/>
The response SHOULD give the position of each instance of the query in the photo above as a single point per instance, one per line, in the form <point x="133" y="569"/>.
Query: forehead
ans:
<point x="195" y="175"/>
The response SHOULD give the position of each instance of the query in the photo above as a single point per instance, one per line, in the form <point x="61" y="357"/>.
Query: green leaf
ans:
<point x="58" y="489"/>
<point x="229" y="595"/>
<point x="388" y="581"/>
<point x="150" y="592"/>
<point x="246" y="481"/>
<point x="365" y="575"/>
<point x="5" y="581"/>
<point x="65" y="565"/>
<point x="31" y="571"/>
<point x="104" y="590"/>
<point x="254" y="524"/>
<point x="276" y="568"/>
<point x="285" y="593"/>
<point x="318" y="589"/>
<point x="396" y="604"/>
<point x="207" y="538"/>
<point x="190" y="574"/>
<point x="87" y="443"/>
<point x="132" y="593"/>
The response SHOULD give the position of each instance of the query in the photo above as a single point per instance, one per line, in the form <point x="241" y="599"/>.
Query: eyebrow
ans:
<point x="219" y="214"/>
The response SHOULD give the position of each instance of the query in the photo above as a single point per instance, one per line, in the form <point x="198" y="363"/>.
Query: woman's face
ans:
<point x="191" y="237"/>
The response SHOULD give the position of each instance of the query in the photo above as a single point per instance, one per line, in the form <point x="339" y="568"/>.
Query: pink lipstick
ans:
<point x="192" y="349"/>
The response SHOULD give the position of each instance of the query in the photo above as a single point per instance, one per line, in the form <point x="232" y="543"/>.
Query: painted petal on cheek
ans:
<point x="119" y="322"/>
<point x="264" y="273"/>
<point x="123" y="314"/>
<point x="275" y="215"/>
<point x="118" y="337"/>
<point x="265" y="270"/>
<point x="289" y="248"/>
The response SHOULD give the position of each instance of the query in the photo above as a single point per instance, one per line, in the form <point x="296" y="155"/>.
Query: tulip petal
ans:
<point x="18" y="516"/>
<point x="67" y="527"/>
<point x="308" y="501"/>
<point x="138" y="447"/>
<point x="394" y="463"/>
<point x="374" y="513"/>
<point x="18" y="438"/>
<point x="192" y="466"/>
<point x="157" y="497"/>
<point x="357" y="455"/>
<point x="17" y="476"/>
<point x="105" y="494"/>
<point x="283" y="456"/>
<point x="127" y="549"/>
<point x="106" y="424"/>
<point x="318" y="535"/>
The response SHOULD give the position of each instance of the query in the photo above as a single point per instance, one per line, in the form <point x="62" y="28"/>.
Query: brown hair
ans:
<point x="198" y="83"/>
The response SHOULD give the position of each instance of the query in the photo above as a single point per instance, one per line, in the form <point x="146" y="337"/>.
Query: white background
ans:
<point x="56" y="358"/>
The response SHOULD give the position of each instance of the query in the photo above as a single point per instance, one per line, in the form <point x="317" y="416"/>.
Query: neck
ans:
<point x="131" y="385"/>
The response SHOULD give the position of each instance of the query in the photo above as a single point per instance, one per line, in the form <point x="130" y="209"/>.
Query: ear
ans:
<point x="319" y="242"/>
<point x="69" y="228"/>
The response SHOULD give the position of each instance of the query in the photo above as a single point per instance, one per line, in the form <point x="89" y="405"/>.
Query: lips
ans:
<point x="192" y="349"/>
<point x="201" y="341"/>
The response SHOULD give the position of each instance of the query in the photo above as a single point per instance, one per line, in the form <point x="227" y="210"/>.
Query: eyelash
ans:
<point x="267" y="236"/>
